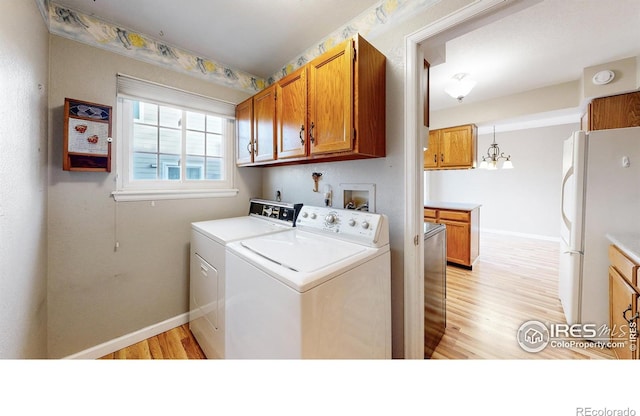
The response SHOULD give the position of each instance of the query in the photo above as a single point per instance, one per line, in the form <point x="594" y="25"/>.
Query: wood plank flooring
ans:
<point x="514" y="280"/>
<point x="177" y="343"/>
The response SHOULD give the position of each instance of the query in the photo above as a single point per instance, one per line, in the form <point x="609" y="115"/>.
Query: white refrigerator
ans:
<point x="600" y="196"/>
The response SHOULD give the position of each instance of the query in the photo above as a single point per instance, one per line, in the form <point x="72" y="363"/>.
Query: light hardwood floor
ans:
<point x="514" y="280"/>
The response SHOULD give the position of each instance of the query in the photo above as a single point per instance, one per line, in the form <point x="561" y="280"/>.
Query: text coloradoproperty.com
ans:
<point x="590" y="411"/>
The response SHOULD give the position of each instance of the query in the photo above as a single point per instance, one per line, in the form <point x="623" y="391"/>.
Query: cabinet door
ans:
<point x="457" y="242"/>
<point x="264" y="124"/>
<point x="457" y="146"/>
<point x="244" y="126"/>
<point x="614" y="112"/>
<point x="432" y="154"/>
<point x="622" y="308"/>
<point x="291" y="115"/>
<point x="331" y="101"/>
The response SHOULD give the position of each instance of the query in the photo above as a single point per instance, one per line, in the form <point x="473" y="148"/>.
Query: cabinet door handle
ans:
<point x="313" y="140"/>
<point x="301" y="138"/>
<point x="441" y="157"/>
<point x="633" y="318"/>
<point x="435" y="158"/>
<point x="248" y="147"/>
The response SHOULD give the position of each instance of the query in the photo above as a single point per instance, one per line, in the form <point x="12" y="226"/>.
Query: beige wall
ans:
<point x="522" y="201"/>
<point x="24" y="51"/>
<point x="97" y="294"/>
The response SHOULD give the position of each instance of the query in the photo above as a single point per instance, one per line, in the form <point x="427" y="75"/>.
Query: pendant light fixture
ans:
<point x="459" y="86"/>
<point x="490" y="161"/>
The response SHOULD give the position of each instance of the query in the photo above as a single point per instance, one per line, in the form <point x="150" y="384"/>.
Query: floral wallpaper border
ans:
<point x="71" y="24"/>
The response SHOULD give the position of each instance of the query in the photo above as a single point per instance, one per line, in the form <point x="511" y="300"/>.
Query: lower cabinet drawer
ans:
<point x="455" y="216"/>
<point x="429" y="213"/>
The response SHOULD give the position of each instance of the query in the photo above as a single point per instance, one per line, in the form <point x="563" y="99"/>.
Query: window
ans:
<point x="171" y="143"/>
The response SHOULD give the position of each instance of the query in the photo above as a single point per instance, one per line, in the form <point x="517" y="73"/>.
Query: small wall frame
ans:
<point x="87" y="136"/>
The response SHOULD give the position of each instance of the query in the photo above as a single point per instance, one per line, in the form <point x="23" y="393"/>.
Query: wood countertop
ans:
<point x="460" y="206"/>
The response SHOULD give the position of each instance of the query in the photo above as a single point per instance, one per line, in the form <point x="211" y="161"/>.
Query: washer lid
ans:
<point x="302" y="252"/>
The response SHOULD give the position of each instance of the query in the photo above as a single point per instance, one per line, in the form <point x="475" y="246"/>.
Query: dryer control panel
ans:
<point x="278" y="211"/>
<point x="366" y="228"/>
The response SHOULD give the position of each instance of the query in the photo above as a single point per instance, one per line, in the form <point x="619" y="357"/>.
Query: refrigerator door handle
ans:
<point x="562" y="210"/>
<point x="573" y="252"/>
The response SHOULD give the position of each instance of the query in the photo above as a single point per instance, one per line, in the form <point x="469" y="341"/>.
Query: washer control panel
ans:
<point x="361" y="226"/>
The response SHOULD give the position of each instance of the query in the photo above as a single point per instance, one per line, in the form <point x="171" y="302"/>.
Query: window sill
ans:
<point x="154" y="195"/>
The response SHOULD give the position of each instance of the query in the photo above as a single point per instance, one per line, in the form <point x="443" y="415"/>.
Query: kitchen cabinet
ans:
<point x="264" y="125"/>
<point x="623" y="303"/>
<point x="613" y="112"/>
<point x="452" y="148"/>
<point x="331" y="109"/>
<point x="244" y="132"/>
<point x="463" y="236"/>
<point x="291" y="116"/>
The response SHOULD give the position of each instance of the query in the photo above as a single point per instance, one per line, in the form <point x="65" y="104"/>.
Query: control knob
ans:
<point x="352" y="222"/>
<point x="330" y="218"/>
<point x="365" y="225"/>
<point x="305" y="215"/>
<point x="313" y="216"/>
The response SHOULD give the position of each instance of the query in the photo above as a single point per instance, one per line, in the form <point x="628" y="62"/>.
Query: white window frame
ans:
<point x="130" y="88"/>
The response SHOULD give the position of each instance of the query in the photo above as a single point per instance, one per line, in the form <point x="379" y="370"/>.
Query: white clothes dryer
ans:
<point x="207" y="269"/>
<point x="320" y="290"/>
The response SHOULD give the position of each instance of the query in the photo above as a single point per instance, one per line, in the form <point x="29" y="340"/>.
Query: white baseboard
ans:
<point x="129" y="339"/>
<point x="517" y="234"/>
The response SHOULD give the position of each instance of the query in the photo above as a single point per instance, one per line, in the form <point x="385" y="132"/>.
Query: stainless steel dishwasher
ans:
<point x="435" y="289"/>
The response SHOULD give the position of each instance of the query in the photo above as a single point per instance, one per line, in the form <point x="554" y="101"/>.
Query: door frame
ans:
<point x="414" y="178"/>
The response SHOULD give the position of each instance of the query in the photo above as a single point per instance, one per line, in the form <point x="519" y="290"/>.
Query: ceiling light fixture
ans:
<point x="459" y="86"/>
<point x="490" y="161"/>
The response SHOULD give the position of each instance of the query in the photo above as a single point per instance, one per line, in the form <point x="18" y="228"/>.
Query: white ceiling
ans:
<point x="545" y="43"/>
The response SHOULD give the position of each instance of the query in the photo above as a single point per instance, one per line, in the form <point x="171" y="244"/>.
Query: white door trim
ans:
<point x="413" y="226"/>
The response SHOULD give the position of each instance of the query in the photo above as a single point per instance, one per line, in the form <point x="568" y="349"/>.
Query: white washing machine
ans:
<point x="207" y="270"/>
<point x="320" y="290"/>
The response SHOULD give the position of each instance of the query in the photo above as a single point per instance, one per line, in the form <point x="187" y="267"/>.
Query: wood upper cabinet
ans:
<point x="452" y="148"/>
<point x="616" y="111"/>
<point x="244" y="132"/>
<point x="331" y="100"/>
<point x="333" y="108"/>
<point x="264" y="125"/>
<point x="432" y="153"/>
<point x="291" y="116"/>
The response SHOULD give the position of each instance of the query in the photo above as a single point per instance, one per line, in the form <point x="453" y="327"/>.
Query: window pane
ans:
<point x="145" y="166"/>
<point x="145" y="138"/>
<point x="195" y="143"/>
<point x="170" y="117"/>
<point x="214" y="145"/>
<point x="195" y="121"/>
<point x="145" y="112"/>
<point x="170" y="141"/>
<point x="215" y="168"/>
<point x="195" y="167"/>
<point x="214" y="124"/>
<point x="170" y="167"/>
